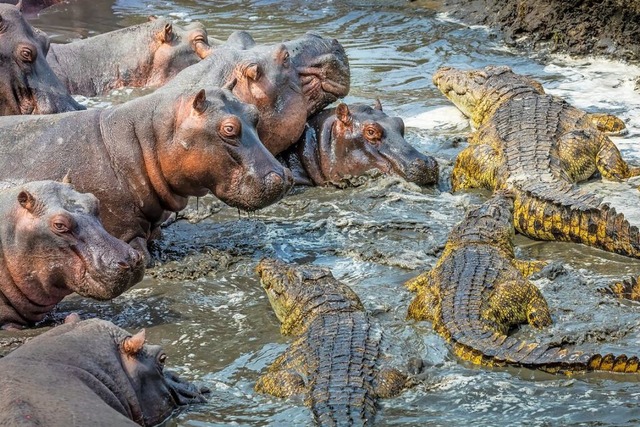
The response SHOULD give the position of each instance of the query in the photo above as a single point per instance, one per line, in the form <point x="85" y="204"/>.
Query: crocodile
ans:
<point x="628" y="288"/>
<point x="336" y="362"/>
<point x="539" y="146"/>
<point x="477" y="292"/>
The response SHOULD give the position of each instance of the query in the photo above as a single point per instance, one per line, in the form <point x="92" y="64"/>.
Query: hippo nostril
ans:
<point x="123" y="265"/>
<point x="423" y="171"/>
<point x="136" y="257"/>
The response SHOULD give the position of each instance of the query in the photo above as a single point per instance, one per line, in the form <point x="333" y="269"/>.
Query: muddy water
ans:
<point x="204" y="304"/>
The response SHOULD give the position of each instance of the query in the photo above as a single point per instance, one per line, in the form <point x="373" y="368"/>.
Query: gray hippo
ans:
<point x="27" y="83"/>
<point x="90" y="373"/>
<point x="53" y="244"/>
<point x="268" y="77"/>
<point x="31" y="7"/>
<point x="144" y="158"/>
<point x="347" y="141"/>
<point x="145" y="55"/>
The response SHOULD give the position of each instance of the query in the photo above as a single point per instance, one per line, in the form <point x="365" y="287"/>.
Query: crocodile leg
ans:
<point x="527" y="268"/>
<point x="608" y="123"/>
<point x="476" y="167"/>
<point x="389" y="382"/>
<point x="282" y="379"/>
<point x="426" y="302"/>
<point x="628" y="289"/>
<point x="514" y="302"/>
<point x="610" y="162"/>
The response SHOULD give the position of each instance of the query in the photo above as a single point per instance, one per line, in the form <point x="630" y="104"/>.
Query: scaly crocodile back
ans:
<point x="340" y="351"/>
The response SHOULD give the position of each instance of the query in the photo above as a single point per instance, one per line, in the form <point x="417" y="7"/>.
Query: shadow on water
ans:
<point x="203" y="301"/>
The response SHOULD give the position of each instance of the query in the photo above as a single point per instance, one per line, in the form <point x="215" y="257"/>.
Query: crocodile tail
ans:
<point x="500" y="350"/>
<point x="573" y="216"/>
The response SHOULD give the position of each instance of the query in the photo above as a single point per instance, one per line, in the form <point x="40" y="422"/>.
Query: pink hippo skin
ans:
<point x="53" y="244"/>
<point x="27" y="83"/>
<point x="144" y="158"/>
<point x="286" y="89"/>
<point x="347" y="141"/>
<point x="90" y="373"/>
<point x="145" y="55"/>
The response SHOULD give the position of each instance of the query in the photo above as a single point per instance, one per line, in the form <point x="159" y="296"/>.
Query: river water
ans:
<point x="204" y="303"/>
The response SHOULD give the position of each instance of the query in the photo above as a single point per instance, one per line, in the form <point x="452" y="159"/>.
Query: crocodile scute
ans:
<point x="336" y="360"/>
<point x="477" y="293"/>
<point x="539" y="146"/>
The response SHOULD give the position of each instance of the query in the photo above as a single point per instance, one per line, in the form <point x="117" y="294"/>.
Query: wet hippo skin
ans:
<point x="90" y="374"/>
<point x="27" y="83"/>
<point x="348" y="141"/>
<point x="286" y="89"/>
<point x="145" y="55"/>
<point x="53" y="244"/>
<point x="144" y="158"/>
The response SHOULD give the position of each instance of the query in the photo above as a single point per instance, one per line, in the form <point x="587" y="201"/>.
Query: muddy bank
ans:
<point x="609" y="28"/>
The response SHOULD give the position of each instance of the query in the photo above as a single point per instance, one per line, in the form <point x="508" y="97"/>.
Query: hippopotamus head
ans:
<point x="107" y="363"/>
<point x="477" y="93"/>
<point x="215" y="147"/>
<point x="55" y="244"/>
<point x="27" y="83"/>
<point x="323" y="67"/>
<point x="266" y="78"/>
<point x="175" y="49"/>
<point x="350" y="140"/>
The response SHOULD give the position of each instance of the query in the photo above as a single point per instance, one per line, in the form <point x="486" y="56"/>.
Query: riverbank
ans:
<point x="609" y="28"/>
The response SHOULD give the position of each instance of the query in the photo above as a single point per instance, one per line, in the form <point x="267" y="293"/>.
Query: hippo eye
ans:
<point x="199" y="39"/>
<point x="60" y="225"/>
<point x="230" y="128"/>
<point x="372" y="133"/>
<point x="27" y="54"/>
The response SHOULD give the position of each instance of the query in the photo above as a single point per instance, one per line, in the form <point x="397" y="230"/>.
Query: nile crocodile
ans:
<point x="477" y="292"/>
<point x="336" y="360"/>
<point x="538" y="146"/>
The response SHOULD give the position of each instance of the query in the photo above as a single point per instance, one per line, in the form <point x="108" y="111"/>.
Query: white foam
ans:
<point x="447" y="118"/>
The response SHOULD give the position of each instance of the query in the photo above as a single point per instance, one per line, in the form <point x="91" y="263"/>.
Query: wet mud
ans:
<point x="608" y="28"/>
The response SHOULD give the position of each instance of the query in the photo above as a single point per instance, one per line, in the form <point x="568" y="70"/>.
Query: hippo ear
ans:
<point x="167" y="35"/>
<point x="131" y="346"/>
<point x="26" y="200"/>
<point x="377" y="105"/>
<point x="252" y="72"/>
<point x="200" y="102"/>
<point x="19" y="5"/>
<point x="343" y="114"/>
<point x="152" y="18"/>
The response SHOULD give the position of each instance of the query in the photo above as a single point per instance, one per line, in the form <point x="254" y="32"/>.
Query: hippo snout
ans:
<point x="131" y="261"/>
<point x="423" y="171"/>
<point x="277" y="185"/>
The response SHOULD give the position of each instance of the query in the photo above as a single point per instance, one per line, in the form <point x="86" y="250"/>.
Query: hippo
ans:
<point x="145" y="55"/>
<point x="90" y="373"/>
<point x="268" y="78"/>
<point x="52" y="244"/>
<point x="347" y="141"/>
<point x="27" y="83"/>
<point x="144" y="158"/>
<point x="31" y="7"/>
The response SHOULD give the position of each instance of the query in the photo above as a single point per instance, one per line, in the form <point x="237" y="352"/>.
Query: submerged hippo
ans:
<point x="145" y="55"/>
<point x="90" y="373"/>
<point x="268" y="78"/>
<point x="53" y="244"/>
<point x="27" y="83"/>
<point x="144" y="158"/>
<point x="347" y="141"/>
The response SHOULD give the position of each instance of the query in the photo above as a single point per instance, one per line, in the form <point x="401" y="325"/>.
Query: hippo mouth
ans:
<point x="183" y="392"/>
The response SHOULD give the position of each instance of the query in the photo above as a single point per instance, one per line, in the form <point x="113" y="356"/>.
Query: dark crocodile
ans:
<point x="477" y="292"/>
<point x="336" y="360"/>
<point x="539" y="146"/>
